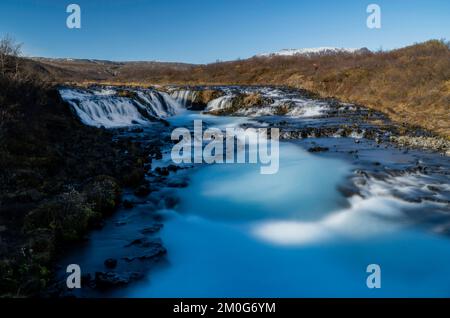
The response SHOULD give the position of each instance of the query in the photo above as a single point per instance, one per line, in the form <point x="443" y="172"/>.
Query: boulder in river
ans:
<point x="152" y="229"/>
<point x="106" y="280"/>
<point x="111" y="263"/>
<point x="127" y="204"/>
<point x="318" y="149"/>
<point x="143" y="190"/>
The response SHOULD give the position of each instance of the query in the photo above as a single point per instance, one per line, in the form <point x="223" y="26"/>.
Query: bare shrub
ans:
<point x="10" y="51"/>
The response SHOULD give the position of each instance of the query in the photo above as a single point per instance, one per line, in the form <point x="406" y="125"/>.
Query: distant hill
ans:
<point x="62" y="70"/>
<point x="312" y="51"/>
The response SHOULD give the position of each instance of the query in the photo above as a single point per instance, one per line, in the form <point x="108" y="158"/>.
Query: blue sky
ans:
<point x="202" y="31"/>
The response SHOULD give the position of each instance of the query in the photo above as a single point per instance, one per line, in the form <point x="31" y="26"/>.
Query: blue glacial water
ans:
<point x="237" y="233"/>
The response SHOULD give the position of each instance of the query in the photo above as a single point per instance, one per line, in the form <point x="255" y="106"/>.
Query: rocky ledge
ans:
<point x="421" y="142"/>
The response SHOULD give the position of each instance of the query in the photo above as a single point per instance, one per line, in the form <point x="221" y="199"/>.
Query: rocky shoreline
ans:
<point x="433" y="143"/>
<point x="136" y="221"/>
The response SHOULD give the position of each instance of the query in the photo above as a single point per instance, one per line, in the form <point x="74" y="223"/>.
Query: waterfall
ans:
<point x="158" y="104"/>
<point x="106" y="108"/>
<point x="184" y="97"/>
<point x="220" y="103"/>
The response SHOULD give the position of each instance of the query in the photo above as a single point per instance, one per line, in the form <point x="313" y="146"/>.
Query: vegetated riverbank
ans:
<point x="411" y="85"/>
<point x="58" y="179"/>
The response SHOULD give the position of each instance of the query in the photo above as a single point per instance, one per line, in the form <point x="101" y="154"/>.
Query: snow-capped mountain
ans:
<point x="307" y="51"/>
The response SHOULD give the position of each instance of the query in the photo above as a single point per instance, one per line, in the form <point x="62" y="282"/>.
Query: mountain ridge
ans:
<point x="311" y="51"/>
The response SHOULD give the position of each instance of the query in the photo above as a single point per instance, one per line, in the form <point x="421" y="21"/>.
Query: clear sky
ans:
<point x="202" y="31"/>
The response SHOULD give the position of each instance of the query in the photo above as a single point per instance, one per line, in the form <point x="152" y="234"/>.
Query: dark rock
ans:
<point x="177" y="184"/>
<point x="107" y="280"/>
<point x="152" y="229"/>
<point x="133" y="177"/>
<point x="128" y="204"/>
<point x="152" y="253"/>
<point x="433" y="188"/>
<point x="111" y="263"/>
<point x="362" y="173"/>
<point x="411" y="198"/>
<point x="173" y="168"/>
<point x="137" y="130"/>
<point x="143" y="190"/>
<point x="171" y="202"/>
<point x="152" y="250"/>
<point x="158" y="217"/>
<point x="162" y="171"/>
<point x="304" y="134"/>
<point x="348" y="191"/>
<point x="147" y="167"/>
<point x="144" y="242"/>
<point x="86" y="279"/>
<point x="137" y="242"/>
<point x="318" y="149"/>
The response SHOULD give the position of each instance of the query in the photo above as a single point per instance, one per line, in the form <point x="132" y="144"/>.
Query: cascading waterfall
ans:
<point x="162" y="104"/>
<point x="223" y="102"/>
<point x="296" y="107"/>
<point x="105" y="108"/>
<point x="184" y="97"/>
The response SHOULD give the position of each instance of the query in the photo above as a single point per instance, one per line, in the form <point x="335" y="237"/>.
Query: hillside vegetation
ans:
<point x="411" y="84"/>
<point x="58" y="177"/>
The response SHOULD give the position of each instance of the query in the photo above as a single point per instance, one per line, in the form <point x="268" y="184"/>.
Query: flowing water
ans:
<point x="103" y="107"/>
<point x="238" y="233"/>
